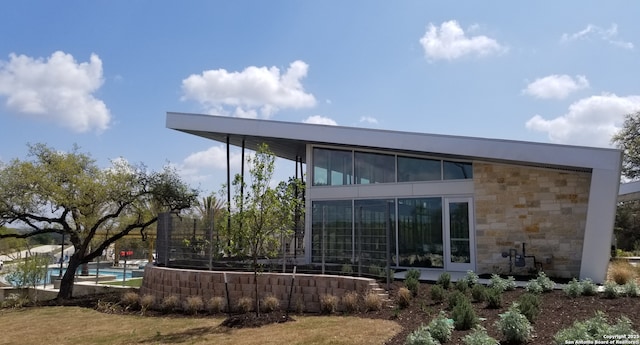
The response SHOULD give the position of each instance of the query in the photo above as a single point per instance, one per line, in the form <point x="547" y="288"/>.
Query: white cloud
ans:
<point x="320" y="120"/>
<point x="593" y="31"/>
<point x="57" y="89"/>
<point x="556" y="86"/>
<point x="450" y="42"/>
<point x="214" y="157"/>
<point x="202" y="165"/>
<point x="256" y="91"/>
<point x="590" y="121"/>
<point x="368" y="119"/>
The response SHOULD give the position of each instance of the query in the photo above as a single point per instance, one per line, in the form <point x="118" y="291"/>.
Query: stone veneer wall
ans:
<point x="544" y="208"/>
<point x="307" y="289"/>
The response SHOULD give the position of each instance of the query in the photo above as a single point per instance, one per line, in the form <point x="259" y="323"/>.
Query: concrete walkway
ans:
<point x="432" y="277"/>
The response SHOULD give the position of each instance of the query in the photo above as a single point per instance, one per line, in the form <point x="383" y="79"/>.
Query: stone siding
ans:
<point x="544" y="208"/>
<point x="307" y="288"/>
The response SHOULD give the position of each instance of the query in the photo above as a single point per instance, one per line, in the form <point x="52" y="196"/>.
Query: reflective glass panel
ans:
<point x="331" y="229"/>
<point x="457" y="170"/>
<point x="459" y="232"/>
<point x="332" y="167"/>
<point x="412" y="169"/>
<point x="420" y="242"/>
<point x="373" y="219"/>
<point x="374" y="168"/>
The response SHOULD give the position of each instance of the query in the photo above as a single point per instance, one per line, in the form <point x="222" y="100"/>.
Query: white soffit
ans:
<point x="288" y="140"/>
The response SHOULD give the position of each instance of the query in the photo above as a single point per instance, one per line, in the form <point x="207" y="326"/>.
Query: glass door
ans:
<point x="459" y="235"/>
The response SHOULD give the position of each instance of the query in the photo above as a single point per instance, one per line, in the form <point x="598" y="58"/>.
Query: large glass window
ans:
<point x="459" y="232"/>
<point x="420" y="242"/>
<point x="375" y="168"/>
<point x="457" y="170"/>
<point x="331" y="229"/>
<point x="418" y="169"/>
<point x="332" y="167"/>
<point x="373" y="219"/>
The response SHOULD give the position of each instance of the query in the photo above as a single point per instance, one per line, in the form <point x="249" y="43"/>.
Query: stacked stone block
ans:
<point x="307" y="288"/>
<point x="544" y="208"/>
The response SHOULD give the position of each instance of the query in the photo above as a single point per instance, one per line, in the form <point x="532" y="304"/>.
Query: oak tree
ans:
<point x="628" y="140"/>
<point x="68" y="194"/>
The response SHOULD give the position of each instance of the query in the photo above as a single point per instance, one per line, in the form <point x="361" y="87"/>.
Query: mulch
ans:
<point x="557" y="312"/>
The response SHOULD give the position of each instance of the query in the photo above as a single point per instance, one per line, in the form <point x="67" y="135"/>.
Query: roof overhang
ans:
<point x="288" y="140"/>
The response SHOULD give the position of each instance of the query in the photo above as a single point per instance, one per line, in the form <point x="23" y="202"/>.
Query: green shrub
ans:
<point x="444" y="280"/>
<point x="588" y="287"/>
<point x="514" y="326"/>
<point x="375" y="270"/>
<point x="270" y="303"/>
<point x="193" y="304"/>
<point x="479" y="336"/>
<point x="529" y="305"/>
<point x="534" y="287"/>
<point x="350" y="301"/>
<point x="437" y="293"/>
<point x="631" y="289"/>
<point x="18" y="300"/>
<point x="27" y="272"/>
<point x="440" y="328"/>
<point x="413" y="273"/>
<point x="383" y="273"/>
<point x="611" y="290"/>
<point x="346" y="269"/>
<point x="461" y="286"/>
<point x="456" y="298"/>
<point x="403" y="297"/>
<point x="494" y="298"/>
<point x="545" y="282"/>
<point x="497" y="282"/>
<point x="421" y="336"/>
<point x="594" y="328"/>
<point x="479" y="293"/>
<point x="413" y="285"/>
<point x="372" y="301"/>
<point x="328" y="303"/>
<point x="471" y="278"/>
<point x="573" y="289"/>
<point x="463" y="315"/>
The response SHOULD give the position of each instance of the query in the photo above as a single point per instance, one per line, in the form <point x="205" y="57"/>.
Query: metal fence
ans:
<point x="185" y="243"/>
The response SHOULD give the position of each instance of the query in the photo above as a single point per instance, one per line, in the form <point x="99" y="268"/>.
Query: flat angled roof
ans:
<point x="289" y="139"/>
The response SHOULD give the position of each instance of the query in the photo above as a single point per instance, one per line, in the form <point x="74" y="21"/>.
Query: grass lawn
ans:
<point x="75" y="325"/>
<point x="132" y="282"/>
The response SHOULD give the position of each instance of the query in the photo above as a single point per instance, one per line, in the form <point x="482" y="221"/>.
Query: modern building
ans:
<point x="441" y="202"/>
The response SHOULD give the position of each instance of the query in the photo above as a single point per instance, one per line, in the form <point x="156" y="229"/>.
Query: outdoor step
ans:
<point x="375" y="288"/>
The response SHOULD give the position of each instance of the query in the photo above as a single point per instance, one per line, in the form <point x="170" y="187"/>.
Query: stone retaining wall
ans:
<point x="544" y="208"/>
<point x="307" y="288"/>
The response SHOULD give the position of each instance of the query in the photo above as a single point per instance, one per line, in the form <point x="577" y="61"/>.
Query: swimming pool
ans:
<point x="106" y="271"/>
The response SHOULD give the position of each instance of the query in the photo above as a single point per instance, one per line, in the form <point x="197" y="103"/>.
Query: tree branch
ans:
<point x="32" y="233"/>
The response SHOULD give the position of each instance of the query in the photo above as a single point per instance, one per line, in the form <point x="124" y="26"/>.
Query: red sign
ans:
<point x="126" y="253"/>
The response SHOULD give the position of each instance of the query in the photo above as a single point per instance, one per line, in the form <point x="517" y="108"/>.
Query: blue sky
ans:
<point x="102" y="74"/>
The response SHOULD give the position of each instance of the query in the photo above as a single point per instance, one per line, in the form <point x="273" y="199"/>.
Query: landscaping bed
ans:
<point x="557" y="311"/>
